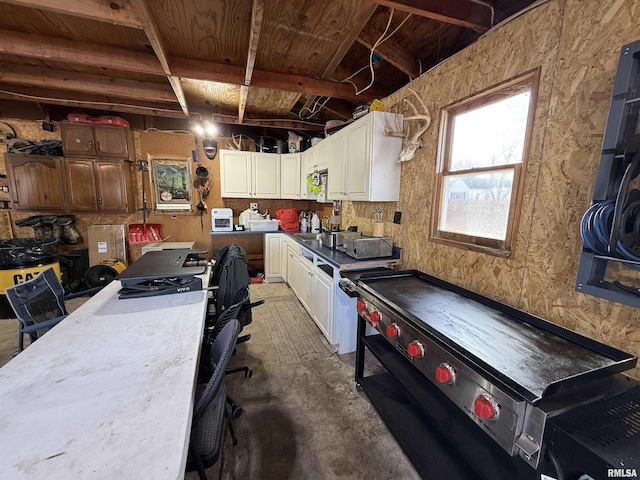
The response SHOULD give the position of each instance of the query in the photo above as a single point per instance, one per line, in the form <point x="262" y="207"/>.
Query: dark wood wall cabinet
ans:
<point x="98" y="185"/>
<point x="80" y="139"/>
<point x="36" y="182"/>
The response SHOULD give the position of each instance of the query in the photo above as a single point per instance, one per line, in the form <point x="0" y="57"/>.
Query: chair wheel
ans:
<point x="236" y="412"/>
<point x="248" y="373"/>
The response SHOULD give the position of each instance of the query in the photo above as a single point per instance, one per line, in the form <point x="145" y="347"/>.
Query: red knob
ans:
<point x="375" y="318"/>
<point x="393" y="330"/>
<point x="415" y="349"/>
<point x="484" y="407"/>
<point x="444" y="373"/>
<point x="360" y="305"/>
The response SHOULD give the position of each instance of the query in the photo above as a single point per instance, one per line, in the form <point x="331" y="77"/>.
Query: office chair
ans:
<point x="211" y="419"/>
<point x="39" y="304"/>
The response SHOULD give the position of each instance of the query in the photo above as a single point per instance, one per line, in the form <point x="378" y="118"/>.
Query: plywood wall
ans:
<point x="576" y="45"/>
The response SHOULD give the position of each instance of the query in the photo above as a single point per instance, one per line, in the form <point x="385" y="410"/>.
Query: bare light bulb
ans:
<point x="212" y="131"/>
<point x="199" y="130"/>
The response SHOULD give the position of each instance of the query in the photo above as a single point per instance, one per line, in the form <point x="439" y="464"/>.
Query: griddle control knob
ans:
<point x="415" y="349"/>
<point x="445" y="373"/>
<point x="393" y="330"/>
<point x="485" y="407"/>
<point x="375" y="317"/>
<point x="361" y="305"/>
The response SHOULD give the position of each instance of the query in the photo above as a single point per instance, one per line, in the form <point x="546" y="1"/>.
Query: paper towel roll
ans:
<point x="378" y="229"/>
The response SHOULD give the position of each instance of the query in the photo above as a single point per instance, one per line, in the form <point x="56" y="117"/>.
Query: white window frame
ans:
<point x="527" y="81"/>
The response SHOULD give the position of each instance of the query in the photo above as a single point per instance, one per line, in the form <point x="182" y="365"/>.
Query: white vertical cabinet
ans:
<point x="274" y="257"/>
<point x="305" y="280"/>
<point x="249" y="175"/>
<point x="363" y="161"/>
<point x="235" y="174"/>
<point x="321" y="302"/>
<point x="290" y="174"/>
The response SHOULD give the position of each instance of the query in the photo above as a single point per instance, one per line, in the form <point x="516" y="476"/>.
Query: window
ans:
<point x="483" y="149"/>
<point x="172" y="183"/>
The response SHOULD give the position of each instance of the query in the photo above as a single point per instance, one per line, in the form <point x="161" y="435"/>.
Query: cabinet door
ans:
<point x="111" y="141"/>
<point x="111" y="185"/>
<point x="77" y="139"/>
<point x="322" y="155"/>
<point x="81" y="183"/>
<point x="290" y="176"/>
<point x="305" y="280"/>
<point x="36" y="182"/>
<point x="266" y="175"/>
<point x="235" y="174"/>
<point x="322" y="303"/>
<point x="273" y="255"/>
<point x="357" y="174"/>
<point x="292" y="269"/>
<point x="335" y="188"/>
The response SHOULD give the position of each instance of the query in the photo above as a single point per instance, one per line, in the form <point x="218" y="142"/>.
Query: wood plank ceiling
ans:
<point x="279" y="63"/>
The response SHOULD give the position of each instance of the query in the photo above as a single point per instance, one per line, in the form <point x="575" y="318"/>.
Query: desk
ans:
<point x="106" y="394"/>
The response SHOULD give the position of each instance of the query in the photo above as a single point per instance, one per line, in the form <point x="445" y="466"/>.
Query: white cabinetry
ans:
<point x="321" y="308"/>
<point x="363" y="161"/>
<point x="290" y="185"/>
<point x="249" y="175"/>
<point x="275" y="257"/>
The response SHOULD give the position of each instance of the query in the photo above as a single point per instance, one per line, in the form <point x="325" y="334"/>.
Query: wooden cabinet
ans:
<point x="98" y="185"/>
<point x="363" y="161"/>
<point x="249" y="175"/>
<point x="80" y="139"/>
<point x="290" y="185"/>
<point x="36" y="182"/>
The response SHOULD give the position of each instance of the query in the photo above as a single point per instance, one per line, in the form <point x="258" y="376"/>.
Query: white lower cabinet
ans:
<point x="274" y="260"/>
<point x="322" y="302"/>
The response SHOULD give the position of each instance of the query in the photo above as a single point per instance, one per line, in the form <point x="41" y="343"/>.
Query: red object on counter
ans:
<point x="288" y="219"/>
<point x="484" y="408"/>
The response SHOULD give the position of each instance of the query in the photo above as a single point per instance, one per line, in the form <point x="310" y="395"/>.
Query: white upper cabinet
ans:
<point x="249" y="175"/>
<point x="290" y="173"/>
<point x="363" y="161"/>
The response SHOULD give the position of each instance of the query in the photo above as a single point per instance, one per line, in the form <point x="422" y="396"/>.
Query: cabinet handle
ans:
<point x="100" y="200"/>
<point x="90" y="143"/>
<point x="97" y="146"/>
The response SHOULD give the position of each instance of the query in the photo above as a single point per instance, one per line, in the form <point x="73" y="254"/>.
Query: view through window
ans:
<point x="483" y="148"/>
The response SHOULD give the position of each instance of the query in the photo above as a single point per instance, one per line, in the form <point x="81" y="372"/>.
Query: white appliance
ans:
<point x="221" y="220"/>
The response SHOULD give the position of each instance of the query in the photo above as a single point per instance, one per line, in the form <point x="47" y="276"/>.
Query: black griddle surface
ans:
<point x="529" y="356"/>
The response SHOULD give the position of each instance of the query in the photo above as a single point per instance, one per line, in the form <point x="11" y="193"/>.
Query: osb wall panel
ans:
<point x="577" y="54"/>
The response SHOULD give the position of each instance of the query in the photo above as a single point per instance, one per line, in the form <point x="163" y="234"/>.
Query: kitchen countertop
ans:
<point x="244" y="232"/>
<point x="339" y="259"/>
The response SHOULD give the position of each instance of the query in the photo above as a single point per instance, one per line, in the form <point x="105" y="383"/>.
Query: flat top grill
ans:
<point x="528" y="354"/>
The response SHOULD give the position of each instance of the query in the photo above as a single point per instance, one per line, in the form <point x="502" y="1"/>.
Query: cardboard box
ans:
<point x="106" y="241"/>
<point x="159" y="246"/>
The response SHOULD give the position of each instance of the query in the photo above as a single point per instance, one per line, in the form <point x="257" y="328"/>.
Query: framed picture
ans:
<point x="172" y="182"/>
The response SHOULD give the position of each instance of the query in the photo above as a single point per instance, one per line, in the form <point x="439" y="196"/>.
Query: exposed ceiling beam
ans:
<point x="465" y="13"/>
<point x="344" y="47"/>
<point x="83" y="100"/>
<point x="256" y="26"/>
<point x="285" y="124"/>
<point x="153" y="34"/>
<point x="81" y="53"/>
<point x="216" y="72"/>
<point x="78" y="53"/>
<point x="392" y="53"/>
<point x="118" y="12"/>
<point x="82" y="82"/>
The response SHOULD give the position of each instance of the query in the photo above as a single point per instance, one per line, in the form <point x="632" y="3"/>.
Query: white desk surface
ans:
<point x="107" y="393"/>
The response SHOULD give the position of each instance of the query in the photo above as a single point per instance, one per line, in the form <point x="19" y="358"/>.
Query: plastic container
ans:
<point x="264" y="225"/>
<point x="315" y="223"/>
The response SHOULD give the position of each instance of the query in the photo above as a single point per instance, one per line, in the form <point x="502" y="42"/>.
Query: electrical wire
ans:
<point x="314" y="109"/>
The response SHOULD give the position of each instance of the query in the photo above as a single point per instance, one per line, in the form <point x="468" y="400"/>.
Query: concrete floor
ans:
<point x="303" y="417"/>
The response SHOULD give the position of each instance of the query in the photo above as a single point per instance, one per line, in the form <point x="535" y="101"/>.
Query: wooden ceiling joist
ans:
<point x="153" y="34"/>
<point x="78" y="53"/>
<point x="465" y="13"/>
<point x="118" y="12"/>
<point x="392" y="53"/>
<point x="83" y="100"/>
<point x="256" y="26"/>
<point x="82" y="82"/>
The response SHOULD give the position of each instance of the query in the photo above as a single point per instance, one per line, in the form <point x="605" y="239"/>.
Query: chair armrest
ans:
<point x="251" y="305"/>
<point x="45" y="324"/>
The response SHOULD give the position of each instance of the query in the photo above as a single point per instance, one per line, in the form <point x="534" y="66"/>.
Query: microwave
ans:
<point x="221" y="220"/>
